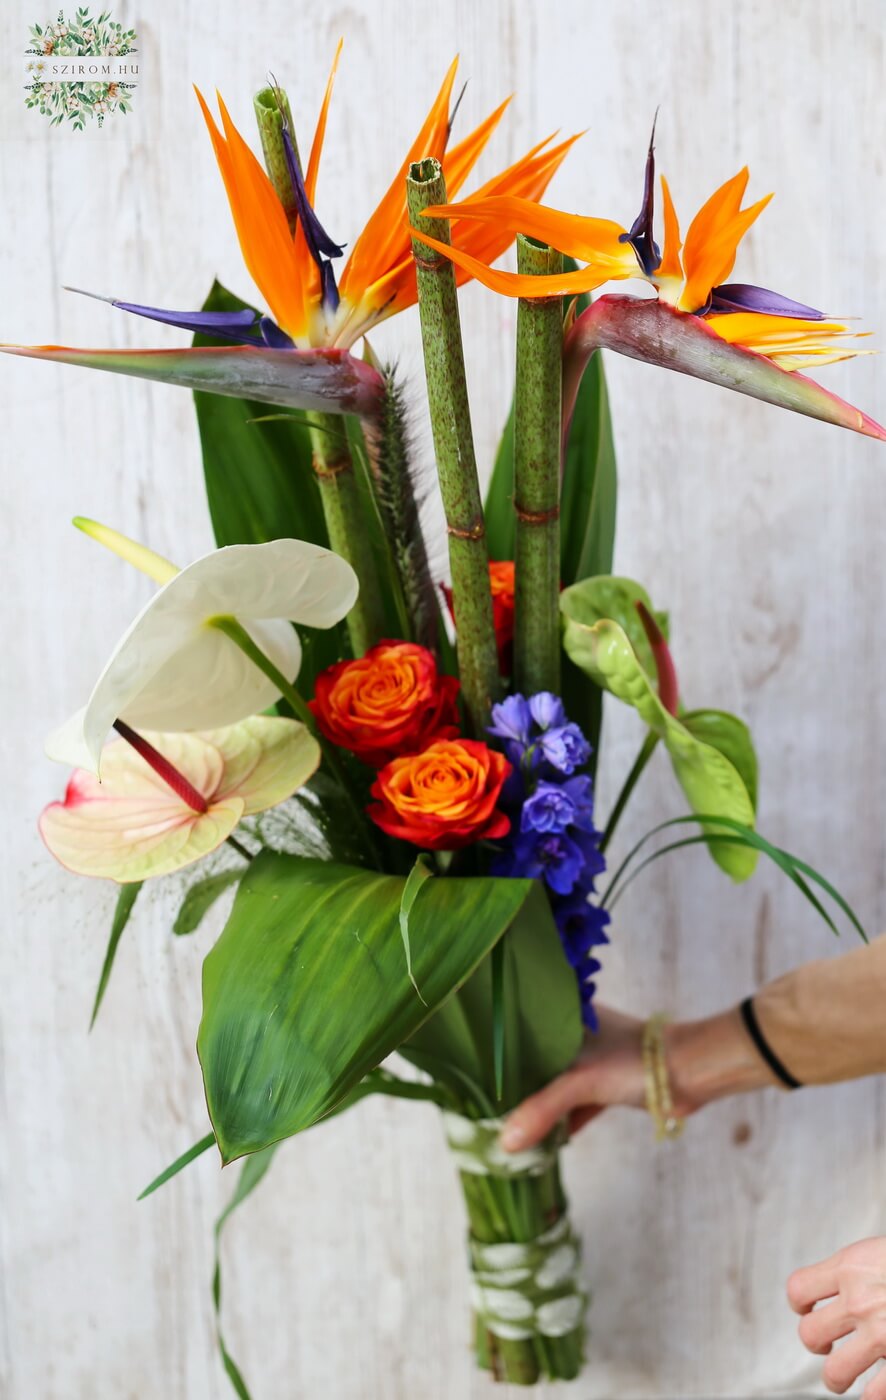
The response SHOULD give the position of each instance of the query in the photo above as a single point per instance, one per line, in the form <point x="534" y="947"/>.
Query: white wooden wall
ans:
<point x="762" y="532"/>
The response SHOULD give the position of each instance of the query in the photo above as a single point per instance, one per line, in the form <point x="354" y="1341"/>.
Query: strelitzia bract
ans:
<point x="740" y="336"/>
<point x="297" y="354"/>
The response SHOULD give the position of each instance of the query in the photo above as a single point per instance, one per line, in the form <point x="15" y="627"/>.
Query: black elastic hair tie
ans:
<point x="752" y="1025"/>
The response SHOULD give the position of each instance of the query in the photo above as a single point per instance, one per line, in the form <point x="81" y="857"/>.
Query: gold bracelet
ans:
<point x="659" y="1100"/>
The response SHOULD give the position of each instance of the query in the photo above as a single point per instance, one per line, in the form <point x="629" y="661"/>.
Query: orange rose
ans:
<point x="392" y="701"/>
<point x="501" y="582"/>
<point x="444" y="797"/>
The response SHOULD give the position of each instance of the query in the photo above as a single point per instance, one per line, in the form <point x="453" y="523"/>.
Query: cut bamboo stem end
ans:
<point x="454" y="449"/>
<point x="537" y="477"/>
<point x="333" y="465"/>
<point x="346" y="525"/>
<point x="271" y="105"/>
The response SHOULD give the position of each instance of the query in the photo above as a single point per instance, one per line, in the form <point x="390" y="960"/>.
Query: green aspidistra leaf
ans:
<point x="542" y="1026"/>
<point x="307" y="989"/>
<point x="710" y="781"/>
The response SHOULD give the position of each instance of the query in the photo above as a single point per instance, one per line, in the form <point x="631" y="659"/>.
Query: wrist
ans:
<point x="712" y="1059"/>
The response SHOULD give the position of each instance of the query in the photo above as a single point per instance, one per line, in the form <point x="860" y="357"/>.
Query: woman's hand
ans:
<point x="609" y="1070"/>
<point x="852" y="1287"/>
<point x="706" y="1060"/>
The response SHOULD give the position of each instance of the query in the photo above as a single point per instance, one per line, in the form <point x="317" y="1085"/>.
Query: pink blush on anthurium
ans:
<point x="131" y="825"/>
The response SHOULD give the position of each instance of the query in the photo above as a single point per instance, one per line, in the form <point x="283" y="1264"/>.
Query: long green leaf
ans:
<point x="122" y="910"/>
<point x="179" y="1164"/>
<point x="542" y="1030"/>
<point x="251" y="1174"/>
<point x="590" y="483"/>
<point x="498" y="508"/>
<point x="307" y="989"/>
<point x="201" y="895"/>
<point x="725" y="829"/>
<point x="415" y="880"/>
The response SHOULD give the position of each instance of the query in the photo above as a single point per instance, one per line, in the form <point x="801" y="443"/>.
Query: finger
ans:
<point x="534" y="1118"/>
<point x="847" y="1363"/>
<point x="586" y="1114"/>
<point x="876" y="1388"/>
<point x="809" y="1286"/>
<point x="820" y="1329"/>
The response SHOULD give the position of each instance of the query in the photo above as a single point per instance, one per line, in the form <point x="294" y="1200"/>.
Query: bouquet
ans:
<point x="398" y="778"/>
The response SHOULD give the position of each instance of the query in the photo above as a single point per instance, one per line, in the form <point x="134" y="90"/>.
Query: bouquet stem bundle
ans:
<point x="454" y="449"/>
<point x="524" y="1258"/>
<point x="537" y="477"/>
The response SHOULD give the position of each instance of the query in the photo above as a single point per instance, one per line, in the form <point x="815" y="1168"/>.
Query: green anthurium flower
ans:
<point x="173" y="671"/>
<point x="711" y="751"/>
<point x="134" y="824"/>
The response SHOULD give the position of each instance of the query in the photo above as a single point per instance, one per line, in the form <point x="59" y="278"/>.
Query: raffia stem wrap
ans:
<point x="525" y="1288"/>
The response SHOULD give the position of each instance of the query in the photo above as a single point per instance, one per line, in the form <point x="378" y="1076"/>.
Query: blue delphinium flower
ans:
<point x="547" y="710"/>
<point x="553" y="837"/>
<point x="565" y="747"/>
<point x="548" y="808"/>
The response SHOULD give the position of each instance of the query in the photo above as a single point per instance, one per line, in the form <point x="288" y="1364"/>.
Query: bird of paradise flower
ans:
<point x="297" y="353"/>
<point x="743" y="337"/>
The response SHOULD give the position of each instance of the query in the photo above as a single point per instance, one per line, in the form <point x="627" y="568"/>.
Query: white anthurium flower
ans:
<point x="172" y="670"/>
<point x="134" y="824"/>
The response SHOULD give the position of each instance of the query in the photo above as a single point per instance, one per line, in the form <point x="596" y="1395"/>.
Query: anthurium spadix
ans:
<point x="133" y="824"/>
<point x="742" y="337"/>
<point x="297" y="354"/>
<point x="172" y="670"/>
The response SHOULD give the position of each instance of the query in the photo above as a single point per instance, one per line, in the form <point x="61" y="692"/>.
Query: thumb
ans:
<point x="534" y="1118"/>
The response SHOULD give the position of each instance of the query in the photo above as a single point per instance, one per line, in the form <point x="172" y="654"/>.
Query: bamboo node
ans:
<point x="537" y="517"/>
<point x="475" y="532"/>
<point x="430" y="264"/>
<point x="330" y="470"/>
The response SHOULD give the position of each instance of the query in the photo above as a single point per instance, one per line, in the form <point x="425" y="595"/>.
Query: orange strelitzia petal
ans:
<point x="320" y="131"/>
<point x="513" y="284"/>
<point x="260" y="222"/>
<point x="713" y="238"/>
<point x="592" y="240"/>
<point x="529" y="179"/>
<point x="461" y="159"/>
<point x="396" y="289"/>
<point x="670" y="265"/>
<point x="384" y="239"/>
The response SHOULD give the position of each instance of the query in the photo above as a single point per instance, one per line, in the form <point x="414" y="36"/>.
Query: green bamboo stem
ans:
<point x="346" y="524"/>
<point x="331" y="455"/>
<point x="537" y="477"/>
<point x="454" y="449"/>
<point x="271" y="105"/>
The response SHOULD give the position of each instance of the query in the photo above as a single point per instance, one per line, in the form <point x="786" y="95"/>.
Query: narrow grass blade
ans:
<point x="125" y="901"/>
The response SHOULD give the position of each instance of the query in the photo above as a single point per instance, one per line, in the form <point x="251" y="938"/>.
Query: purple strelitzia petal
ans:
<point x="741" y="296"/>
<point x="641" y="230"/>
<point x="229" y="325"/>
<point x="274" y="338"/>
<point x="316" y="237"/>
<point x="331" y="298"/>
